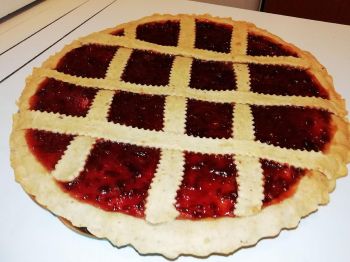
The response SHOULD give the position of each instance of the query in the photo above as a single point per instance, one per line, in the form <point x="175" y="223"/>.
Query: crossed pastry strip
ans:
<point x="172" y="139"/>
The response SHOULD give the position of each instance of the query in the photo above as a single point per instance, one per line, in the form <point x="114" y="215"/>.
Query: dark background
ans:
<point x="335" y="11"/>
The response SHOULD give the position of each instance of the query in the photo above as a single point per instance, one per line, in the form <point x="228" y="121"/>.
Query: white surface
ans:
<point x="9" y="6"/>
<point x="26" y="24"/>
<point x="29" y="233"/>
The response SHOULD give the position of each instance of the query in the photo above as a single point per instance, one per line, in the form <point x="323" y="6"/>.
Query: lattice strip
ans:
<point x="73" y="160"/>
<point x="327" y="164"/>
<point x="100" y="107"/>
<point x="161" y="197"/>
<point x="180" y="74"/>
<point x="118" y="63"/>
<point x="249" y="180"/>
<point x="186" y="37"/>
<point x="250" y="186"/>
<point x="243" y="123"/>
<point x="175" y="114"/>
<point x="104" y="39"/>
<point x="242" y="77"/>
<point x="130" y="30"/>
<point x="211" y="96"/>
<point x="239" y="39"/>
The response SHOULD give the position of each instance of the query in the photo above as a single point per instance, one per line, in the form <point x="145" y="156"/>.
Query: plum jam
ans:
<point x="148" y="68"/>
<point x="207" y="119"/>
<point x="87" y="61"/>
<point x="285" y="81"/>
<point x="137" y="110"/>
<point x="160" y="33"/>
<point x="47" y="147"/>
<point x="212" y="75"/>
<point x="208" y="188"/>
<point x="116" y="177"/>
<point x="63" y="98"/>
<point x="213" y="36"/>
<point x="293" y="127"/>
<point x="280" y="181"/>
<point x="262" y="46"/>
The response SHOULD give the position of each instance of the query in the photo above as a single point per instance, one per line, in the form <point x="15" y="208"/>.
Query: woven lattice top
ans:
<point x="171" y="95"/>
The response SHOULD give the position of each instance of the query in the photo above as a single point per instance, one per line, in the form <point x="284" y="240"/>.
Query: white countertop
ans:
<point x="29" y="233"/>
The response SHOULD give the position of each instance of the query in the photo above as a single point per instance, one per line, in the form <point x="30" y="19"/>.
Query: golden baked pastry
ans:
<point x="180" y="135"/>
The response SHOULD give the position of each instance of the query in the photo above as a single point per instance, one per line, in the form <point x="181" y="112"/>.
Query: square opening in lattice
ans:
<point x="213" y="36"/>
<point x="209" y="119"/>
<point x="285" y="81"/>
<point x="208" y="188"/>
<point x="280" y="181"/>
<point x="119" y="32"/>
<point x="47" y="147"/>
<point x="62" y="98"/>
<point x="148" y="68"/>
<point x="292" y="127"/>
<point x="161" y="32"/>
<point x="212" y="75"/>
<point x="87" y="61"/>
<point x="263" y="46"/>
<point x="137" y="110"/>
<point x="116" y="177"/>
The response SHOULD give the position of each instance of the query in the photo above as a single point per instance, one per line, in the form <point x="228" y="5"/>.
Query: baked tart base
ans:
<point x="180" y="134"/>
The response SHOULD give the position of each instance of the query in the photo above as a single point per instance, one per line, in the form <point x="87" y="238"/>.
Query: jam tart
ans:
<point x="186" y="134"/>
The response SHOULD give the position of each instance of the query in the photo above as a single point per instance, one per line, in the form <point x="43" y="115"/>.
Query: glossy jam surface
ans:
<point x="262" y="46"/>
<point x="285" y="81"/>
<point x="63" y="98"/>
<point x="160" y="33"/>
<point x="119" y="32"/>
<point x="47" y="147"/>
<point x="292" y="127"/>
<point x="212" y="75"/>
<point x="137" y="110"/>
<point x="116" y="177"/>
<point x="87" y="61"/>
<point x="148" y="68"/>
<point x="208" y="188"/>
<point x="207" y="119"/>
<point x="280" y="181"/>
<point x="213" y="36"/>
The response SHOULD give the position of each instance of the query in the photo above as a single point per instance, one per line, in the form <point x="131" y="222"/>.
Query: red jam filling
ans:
<point x="87" y="61"/>
<point x="63" y="98"/>
<point x="47" y="147"/>
<point x="208" y="188"/>
<point x="116" y="177"/>
<point x="280" y="181"/>
<point x="285" y="81"/>
<point x="119" y="32"/>
<point x="262" y="46"/>
<point x="207" y="119"/>
<point x="293" y="127"/>
<point x="213" y="36"/>
<point x="212" y="75"/>
<point x="160" y="33"/>
<point x="148" y="68"/>
<point x="137" y="110"/>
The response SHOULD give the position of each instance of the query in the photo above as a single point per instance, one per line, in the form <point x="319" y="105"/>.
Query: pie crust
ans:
<point x="160" y="232"/>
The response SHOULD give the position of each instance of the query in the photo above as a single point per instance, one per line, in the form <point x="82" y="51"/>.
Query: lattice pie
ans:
<point x="180" y="135"/>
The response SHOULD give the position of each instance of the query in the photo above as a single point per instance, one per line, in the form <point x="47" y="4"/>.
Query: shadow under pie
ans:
<point x="80" y="230"/>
